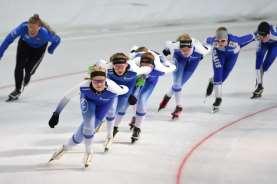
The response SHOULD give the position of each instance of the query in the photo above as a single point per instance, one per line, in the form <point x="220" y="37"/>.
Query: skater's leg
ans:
<point x="36" y="57"/>
<point x="228" y="66"/>
<point x="22" y="57"/>
<point x="111" y="117"/>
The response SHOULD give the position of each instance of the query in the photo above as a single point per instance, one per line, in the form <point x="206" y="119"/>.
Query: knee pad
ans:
<point x="76" y="140"/>
<point x="110" y="118"/>
<point x="176" y="88"/>
<point x="88" y="132"/>
<point x="140" y="113"/>
<point x="121" y="113"/>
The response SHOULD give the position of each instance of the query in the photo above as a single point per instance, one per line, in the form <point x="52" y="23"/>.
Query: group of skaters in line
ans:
<point x="130" y="78"/>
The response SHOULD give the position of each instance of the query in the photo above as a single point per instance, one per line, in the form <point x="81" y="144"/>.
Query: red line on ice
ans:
<point x="209" y="136"/>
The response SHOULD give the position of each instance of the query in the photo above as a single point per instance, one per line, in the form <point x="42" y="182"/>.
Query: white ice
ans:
<point x="242" y="153"/>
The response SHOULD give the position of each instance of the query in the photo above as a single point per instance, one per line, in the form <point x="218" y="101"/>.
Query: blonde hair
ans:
<point x="142" y="49"/>
<point x="184" y="37"/>
<point x="35" y="19"/>
<point x="96" y="70"/>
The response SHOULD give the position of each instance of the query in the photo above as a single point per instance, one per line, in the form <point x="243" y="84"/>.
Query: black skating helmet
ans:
<point x="263" y="28"/>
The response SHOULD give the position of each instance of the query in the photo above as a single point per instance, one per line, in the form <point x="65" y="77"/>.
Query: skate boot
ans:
<point x="176" y="112"/>
<point x="87" y="159"/>
<point x="258" y="92"/>
<point x="164" y="102"/>
<point x="210" y="87"/>
<point x="115" y="131"/>
<point x="58" y="154"/>
<point x="132" y="124"/>
<point x="216" y="105"/>
<point x="108" y="144"/>
<point x="14" y="95"/>
<point x="135" y="135"/>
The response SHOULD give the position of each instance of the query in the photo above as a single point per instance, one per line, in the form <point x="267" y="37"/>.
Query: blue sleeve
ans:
<point x="245" y="40"/>
<point x="55" y="41"/>
<point x="210" y="40"/>
<point x="11" y="37"/>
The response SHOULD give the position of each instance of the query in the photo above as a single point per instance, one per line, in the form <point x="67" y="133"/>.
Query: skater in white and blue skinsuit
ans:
<point x="266" y="53"/>
<point x="96" y="97"/>
<point x="187" y="52"/>
<point x="123" y="72"/>
<point x="146" y="84"/>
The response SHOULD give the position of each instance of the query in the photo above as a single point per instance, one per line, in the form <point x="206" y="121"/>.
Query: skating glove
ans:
<point x="51" y="49"/>
<point x="210" y="40"/>
<point x="166" y="52"/>
<point x="132" y="100"/>
<point x="140" y="81"/>
<point x="54" y="120"/>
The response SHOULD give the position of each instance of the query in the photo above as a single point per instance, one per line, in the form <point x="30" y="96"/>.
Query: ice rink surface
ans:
<point x="235" y="146"/>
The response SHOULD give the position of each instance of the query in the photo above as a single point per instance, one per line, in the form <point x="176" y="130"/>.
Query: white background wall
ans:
<point x="64" y="14"/>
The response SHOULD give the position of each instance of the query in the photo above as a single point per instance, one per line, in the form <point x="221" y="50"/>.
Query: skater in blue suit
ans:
<point x="187" y="52"/>
<point x="34" y="37"/>
<point x="146" y="84"/>
<point x="123" y="72"/>
<point x="266" y="53"/>
<point x="226" y="48"/>
<point x="96" y="97"/>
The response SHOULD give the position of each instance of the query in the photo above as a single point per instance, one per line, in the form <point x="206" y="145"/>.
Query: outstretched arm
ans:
<point x="160" y="67"/>
<point x="11" y="37"/>
<point x="63" y="102"/>
<point x="115" y="88"/>
<point x="200" y="47"/>
<point x="139" y="69"/>
<point x="67" y="97"/>
<point x="245" y="40"/>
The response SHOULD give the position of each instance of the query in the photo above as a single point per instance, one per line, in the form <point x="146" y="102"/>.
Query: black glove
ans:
<point x="132" y="100"/>
<point x="54" y="120"/>
<point x="166" y="52"/>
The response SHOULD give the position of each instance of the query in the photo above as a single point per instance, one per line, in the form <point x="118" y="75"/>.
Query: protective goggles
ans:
<point x="146" y="60"/>
<point x="185" y="43"/>
<point x="119" y="61"/>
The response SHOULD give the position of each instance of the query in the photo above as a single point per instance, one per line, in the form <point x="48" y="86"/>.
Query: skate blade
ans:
<point x="255" y="97"/>
<point x="106" y="150"/>
<point x="108" y="145"/>
<point x="133" y="140"/>
<point x="174" y="117"/>
<point x="10" y="99"/>
<point x="215" y="110"/>
<point x="87" y="165"/>
<point x="51" y="159"/>
<point x="88" y="161"/>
